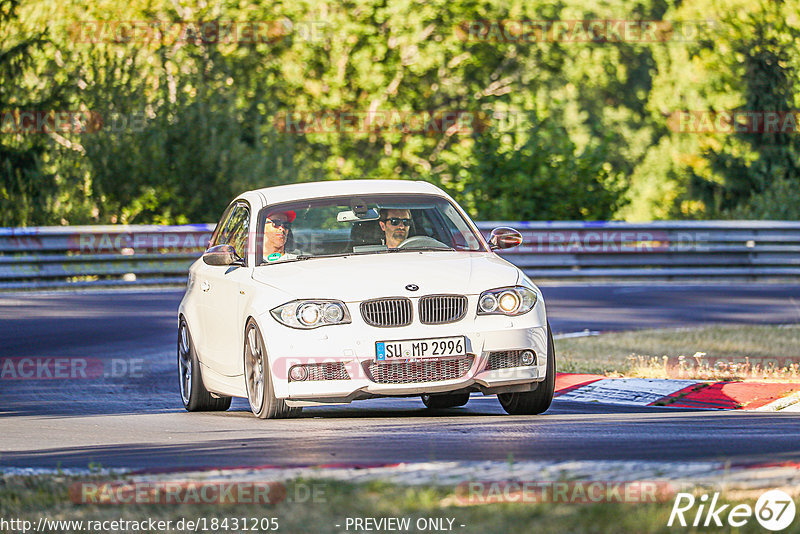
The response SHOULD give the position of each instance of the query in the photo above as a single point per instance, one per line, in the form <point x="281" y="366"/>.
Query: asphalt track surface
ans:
<point x="133" y="418"/>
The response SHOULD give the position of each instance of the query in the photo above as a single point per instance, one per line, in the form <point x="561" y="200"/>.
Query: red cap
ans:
<point x="289" y="214"/>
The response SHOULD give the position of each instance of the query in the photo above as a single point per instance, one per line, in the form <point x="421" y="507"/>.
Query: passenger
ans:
<point x="395" y="224"/>
<point x="277" y="226"/>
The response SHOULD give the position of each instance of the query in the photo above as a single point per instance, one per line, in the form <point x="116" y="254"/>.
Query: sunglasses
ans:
<point x="395" y="221"/>
<point x="281" y="224"/>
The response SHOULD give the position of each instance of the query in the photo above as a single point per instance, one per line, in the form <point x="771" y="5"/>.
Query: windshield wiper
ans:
<point x="418" y="249"/>
<point x="301" y="257"/>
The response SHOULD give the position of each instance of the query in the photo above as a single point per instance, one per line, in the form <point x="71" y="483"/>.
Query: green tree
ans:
<point x="768" y="79"/>
<point x="539" y="174"/>
<point x="26" y="189"/>
<point x="747" y="61"/>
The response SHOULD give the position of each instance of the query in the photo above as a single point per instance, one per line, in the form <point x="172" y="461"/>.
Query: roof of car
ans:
<point x="332" y="188"/>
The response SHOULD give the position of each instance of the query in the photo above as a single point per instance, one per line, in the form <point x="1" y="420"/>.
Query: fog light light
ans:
<point x="528" y="357"/>
<point x="298" y="373"/>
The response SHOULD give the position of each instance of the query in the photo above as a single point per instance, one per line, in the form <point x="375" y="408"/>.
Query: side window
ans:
<point x="237" y="229"/>
<point x="233" y="229"/>
<point x="216" y="238"/>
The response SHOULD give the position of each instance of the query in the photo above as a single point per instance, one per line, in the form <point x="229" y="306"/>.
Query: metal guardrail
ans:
<point x="663" y="250"/>
<point x="42" y="257"/>
<point x="75" y="256"/>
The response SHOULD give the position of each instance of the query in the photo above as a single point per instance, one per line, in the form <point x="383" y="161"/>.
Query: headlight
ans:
<point x="307" y="314"/>
<point x="487" y="303"/>
<point x="507" y="301"/>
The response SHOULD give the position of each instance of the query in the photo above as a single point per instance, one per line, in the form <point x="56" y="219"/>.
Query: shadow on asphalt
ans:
<point x="413" y="435"/>
<point x="61" y="399"/>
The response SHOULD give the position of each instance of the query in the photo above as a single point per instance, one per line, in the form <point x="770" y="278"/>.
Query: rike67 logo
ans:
<point x="774" y="510"/>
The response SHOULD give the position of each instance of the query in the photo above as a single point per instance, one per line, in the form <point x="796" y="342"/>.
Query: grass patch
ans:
<point x="29" y="498"/>
<point x="728" y="352"/>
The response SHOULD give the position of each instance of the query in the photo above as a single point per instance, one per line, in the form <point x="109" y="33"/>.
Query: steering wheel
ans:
<point x="421" y="241"/>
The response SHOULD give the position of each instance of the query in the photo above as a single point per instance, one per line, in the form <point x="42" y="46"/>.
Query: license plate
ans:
<point x="390" y="351"/>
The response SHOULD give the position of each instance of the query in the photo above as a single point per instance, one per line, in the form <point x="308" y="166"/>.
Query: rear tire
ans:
<point x="539" y="400"/>
<point x="195" y="396"/>
<point x="258" y="378"/>
<point x="439" y="402"/>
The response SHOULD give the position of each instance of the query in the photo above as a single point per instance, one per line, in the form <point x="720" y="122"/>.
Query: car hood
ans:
<point x="356" y="278"/>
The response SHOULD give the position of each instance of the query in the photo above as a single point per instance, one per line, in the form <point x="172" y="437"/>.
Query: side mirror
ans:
<point x="222" y="255"/>
<point x="504" y="237"/>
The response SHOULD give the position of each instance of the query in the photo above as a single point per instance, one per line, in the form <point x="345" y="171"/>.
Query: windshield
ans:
<point x="369" y="224"/>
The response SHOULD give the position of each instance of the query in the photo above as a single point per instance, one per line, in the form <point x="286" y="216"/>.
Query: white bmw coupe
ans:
<point x="330" y="292"/>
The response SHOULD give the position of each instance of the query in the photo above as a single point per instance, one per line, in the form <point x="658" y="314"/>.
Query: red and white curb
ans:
<point x="762" y="396"/>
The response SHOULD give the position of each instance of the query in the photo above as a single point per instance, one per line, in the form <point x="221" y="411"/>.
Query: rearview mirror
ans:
<point x="352" y="216"/>
<point x="222" y="255"/>
<point x="504" y="237"/>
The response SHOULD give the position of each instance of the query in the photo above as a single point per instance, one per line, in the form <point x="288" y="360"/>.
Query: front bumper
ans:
<point x="352" y="346"/>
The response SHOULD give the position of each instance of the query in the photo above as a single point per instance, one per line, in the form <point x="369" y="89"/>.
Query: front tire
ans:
<point x="440" y="402"/>
<point x="195" y="396"/>
<point x="258" y="378"/>
<point x="539" y="400"/>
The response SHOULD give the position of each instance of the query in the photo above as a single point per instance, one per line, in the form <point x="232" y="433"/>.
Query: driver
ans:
<point x="396" y="225"/>
<point x="276" y="231"/>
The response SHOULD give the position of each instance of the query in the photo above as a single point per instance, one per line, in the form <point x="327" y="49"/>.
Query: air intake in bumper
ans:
<point x="507" y="359"/>
<point x="321" y="371"/>
<point x="419" y="371"/>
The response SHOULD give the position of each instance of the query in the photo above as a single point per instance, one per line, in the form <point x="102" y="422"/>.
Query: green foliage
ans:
<point x="538" y="174"/>
<point x="26" y="187"/>
<point x="188" y="124"/>
<point x="779" y="201"/>
<point x="767" y="81"/>
<point x="747" y="62"/>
